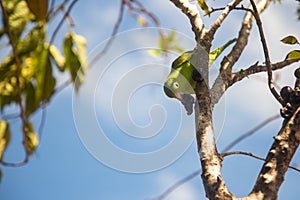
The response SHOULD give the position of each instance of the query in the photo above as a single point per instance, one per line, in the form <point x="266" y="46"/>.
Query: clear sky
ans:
<point x="151" y="144"/>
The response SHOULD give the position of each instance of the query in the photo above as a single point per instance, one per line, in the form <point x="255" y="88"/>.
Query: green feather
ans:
<point x="180" y="79"/>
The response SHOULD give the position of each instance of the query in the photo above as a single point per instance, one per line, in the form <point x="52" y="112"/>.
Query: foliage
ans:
<point x="26" y="73"/>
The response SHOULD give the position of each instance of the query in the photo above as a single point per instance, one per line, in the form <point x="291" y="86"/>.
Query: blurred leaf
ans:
<point x="293" y="54"/>
<point x="8" y="92"/>
<point x="154" y="52"/>
<point x="45" y="82"/>
<point x="41" y="86"/>
<point x="18" y="16"/>
<point x="31" y="104"/>
<point x="75" y="55"/>
<point x="141" y="21"/>
<point x="4" y="137"/>
<point x="31" y="138"/>
<point x="31" y="41"/>
<point x="39" y="8"/>
<point x="204" y="6"/>
<point x="166" y="43"/>
<point x="289" y="40"/>
<point x="57" y="57"/>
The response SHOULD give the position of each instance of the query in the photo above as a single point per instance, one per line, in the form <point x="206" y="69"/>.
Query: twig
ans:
<point x="43" y="120"/>
<point x="176" y="185"/>
<point x="221" y="83"/>
<point x="114" y="32"/>
<point x="266" y="53"/>
<point x="251" y="132"/>
<point x="18" y="74"/>
<point x="14" y="164"/>
<point x="222" y="17"/>
<point x="155" y="20"/>
<point x="10" y="116"/>
<point x="61" y="22"/>
<point x="223" y="155"/>
<point x="237" y="76"/>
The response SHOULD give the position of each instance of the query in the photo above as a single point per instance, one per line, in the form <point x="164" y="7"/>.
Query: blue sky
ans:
<point x="66" y="167"/>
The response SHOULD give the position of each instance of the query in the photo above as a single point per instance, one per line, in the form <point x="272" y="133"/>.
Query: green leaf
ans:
<point x="45" y="81"/>
<point x="31" y="102"/>
<point x="39" y="8"/>
<point x="290" y="40"/>
<point x="214" y="54"/>
<point x="204" y="6"/>
<point x="293" y="54"/>
<point x="75" y="55"/>
<point x="4" y="137"/>
<point x="31" y="138"/>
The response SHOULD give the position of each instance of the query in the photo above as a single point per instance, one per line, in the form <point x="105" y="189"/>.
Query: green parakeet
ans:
<point x="180" y="82"/>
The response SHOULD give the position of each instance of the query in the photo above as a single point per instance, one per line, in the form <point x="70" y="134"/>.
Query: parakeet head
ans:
<point x="172" y="88"/>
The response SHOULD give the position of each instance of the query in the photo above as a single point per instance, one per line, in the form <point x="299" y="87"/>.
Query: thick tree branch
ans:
<point x="273" y="171"/>
<point x="192" y="13"/>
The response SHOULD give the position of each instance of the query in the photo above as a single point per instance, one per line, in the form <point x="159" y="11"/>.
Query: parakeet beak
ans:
<point x="187" y="100"/>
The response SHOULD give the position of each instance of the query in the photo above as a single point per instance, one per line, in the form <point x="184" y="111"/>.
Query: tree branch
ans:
<point x="266" y="53"/>
<point x="221" y="83"/>
<point x="214" y="27"/>
<point x="251" y="132"/>
<point x="176" y="185"/>
<point x="284" y="146"/>
<point x="192" y="13"/>
<point x="237" y="76"/>
<point x="251" y="155"/>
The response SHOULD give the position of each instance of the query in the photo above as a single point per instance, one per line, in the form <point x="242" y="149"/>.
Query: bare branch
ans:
<point x="61" y="22"/>
<point x="266" y="53"/>
<point x="237" y="76"/>
<point x="251" y="132"/>
<point x="176" y="185"/>
<point x="222" y="81"/>
<point x="251" y="155"/>
<point x="222" y="17"/>
<point x="192" y="13"/>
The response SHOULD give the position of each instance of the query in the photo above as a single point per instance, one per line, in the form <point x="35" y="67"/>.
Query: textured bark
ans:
<point x="281" y="153"/>
<point x="285" y="144"/>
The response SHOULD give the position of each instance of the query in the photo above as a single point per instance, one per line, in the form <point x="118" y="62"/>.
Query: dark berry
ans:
<point x="286" y="92"/>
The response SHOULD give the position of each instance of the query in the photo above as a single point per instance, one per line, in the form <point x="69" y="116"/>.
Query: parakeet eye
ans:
<point x="176" y="85"/>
